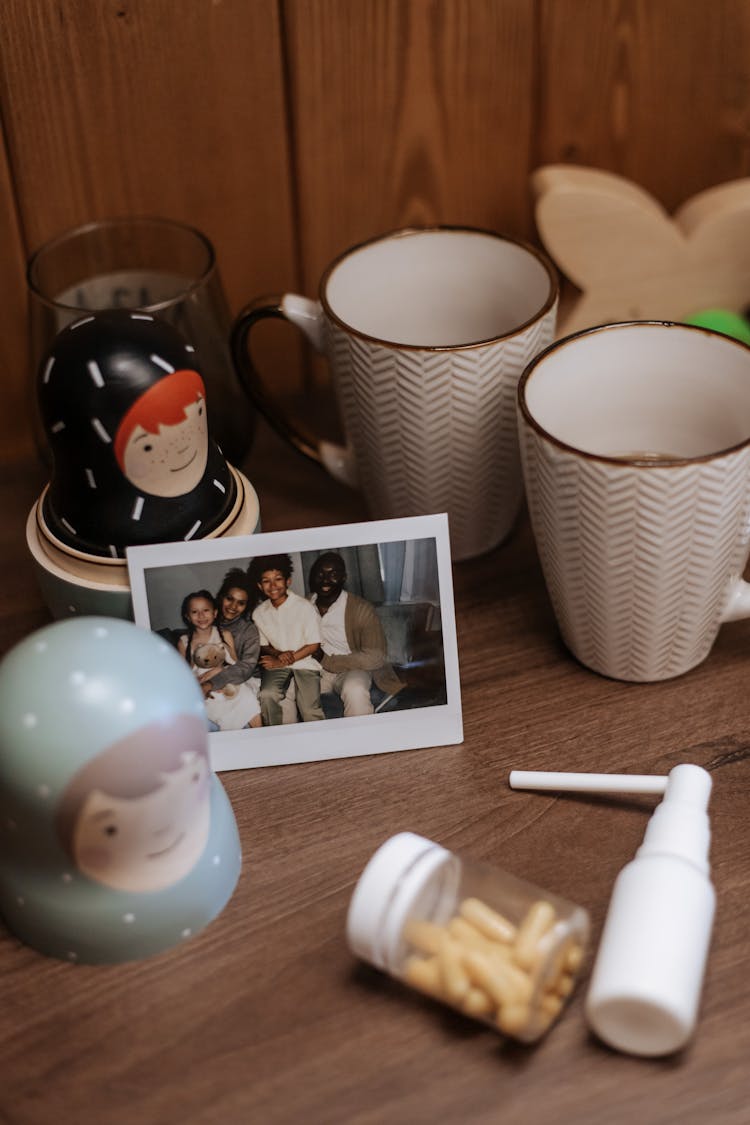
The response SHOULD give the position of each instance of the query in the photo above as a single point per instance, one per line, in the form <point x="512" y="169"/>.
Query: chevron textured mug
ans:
<point x="427" y="333"/>
<point x="635" y="442"/>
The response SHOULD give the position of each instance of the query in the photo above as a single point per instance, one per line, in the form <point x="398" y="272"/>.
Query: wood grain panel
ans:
<point x="657" y="92"/>
<point x="154" y="107"/>
<point x="15" y="431"/>
<point x="408" y="114"/>
<point x="289" y="129"/>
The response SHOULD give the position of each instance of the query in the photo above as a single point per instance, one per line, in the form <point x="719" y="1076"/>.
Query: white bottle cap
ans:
<point x="407" y="875"/>
<point x="646" y="983"/>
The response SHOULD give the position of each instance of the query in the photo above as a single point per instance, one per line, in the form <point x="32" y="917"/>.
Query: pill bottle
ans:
<point x="493" y="946"/>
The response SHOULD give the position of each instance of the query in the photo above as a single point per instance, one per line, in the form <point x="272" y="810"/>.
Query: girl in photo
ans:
<point x="235" y="705"/>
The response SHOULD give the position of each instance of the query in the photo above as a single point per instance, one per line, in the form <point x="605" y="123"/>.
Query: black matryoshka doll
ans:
<point x="124" y="410"/>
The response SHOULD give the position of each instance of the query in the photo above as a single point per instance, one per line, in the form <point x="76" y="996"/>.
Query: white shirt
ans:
<point x="294" y="624"/>
<point x="332" y="627"/>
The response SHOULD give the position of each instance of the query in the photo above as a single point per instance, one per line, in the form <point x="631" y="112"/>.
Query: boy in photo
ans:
<point x="289" y="628"/>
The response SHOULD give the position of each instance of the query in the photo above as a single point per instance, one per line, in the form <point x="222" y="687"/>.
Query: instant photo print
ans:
<point x="311" y="644"/>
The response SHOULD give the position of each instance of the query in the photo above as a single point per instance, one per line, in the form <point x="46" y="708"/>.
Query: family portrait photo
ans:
<point x="311" y="644"/>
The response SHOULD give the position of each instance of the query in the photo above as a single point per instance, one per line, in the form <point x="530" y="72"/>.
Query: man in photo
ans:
<point x="354" y="650"/>
<point x="289" y="628"/>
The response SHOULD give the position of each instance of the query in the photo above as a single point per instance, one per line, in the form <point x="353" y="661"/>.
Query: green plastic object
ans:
<point x="722" y="320"/>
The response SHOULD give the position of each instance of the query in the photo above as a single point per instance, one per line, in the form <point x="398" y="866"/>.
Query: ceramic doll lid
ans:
<point x="116" y="838"/>
<point x="124" y="410"/>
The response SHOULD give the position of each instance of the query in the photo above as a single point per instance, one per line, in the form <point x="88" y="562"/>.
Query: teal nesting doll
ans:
<point x="117" y="840"/>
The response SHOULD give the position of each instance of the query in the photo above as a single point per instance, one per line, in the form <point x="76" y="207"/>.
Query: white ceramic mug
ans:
<point x="635" y="443"/>
<point x="427" y="333"/>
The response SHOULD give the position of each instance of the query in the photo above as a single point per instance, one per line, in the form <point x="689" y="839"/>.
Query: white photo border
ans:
<point x="420" y="727"/>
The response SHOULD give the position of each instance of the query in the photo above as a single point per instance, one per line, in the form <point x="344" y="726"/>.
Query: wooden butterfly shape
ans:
<point x="630" y="259"/>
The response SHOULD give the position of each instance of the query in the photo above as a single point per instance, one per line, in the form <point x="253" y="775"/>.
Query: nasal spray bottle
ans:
<point x="646" y="983"/>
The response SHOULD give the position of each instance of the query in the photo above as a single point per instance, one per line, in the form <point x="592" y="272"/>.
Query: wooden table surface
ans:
<point x="266" y="1017"/>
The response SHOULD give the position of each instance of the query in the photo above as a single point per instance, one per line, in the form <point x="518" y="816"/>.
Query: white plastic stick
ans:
<point x="588" y="782"/>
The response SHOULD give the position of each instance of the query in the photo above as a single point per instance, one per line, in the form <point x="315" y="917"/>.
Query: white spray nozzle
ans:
<point x="591" y="782"/>
<point x="679" y="824"/>
<point x="691" y="784"/>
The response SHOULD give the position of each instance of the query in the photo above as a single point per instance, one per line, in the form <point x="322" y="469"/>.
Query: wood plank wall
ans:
<point x="288" y="129"/>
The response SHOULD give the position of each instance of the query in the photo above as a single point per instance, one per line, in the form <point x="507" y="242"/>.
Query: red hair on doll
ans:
<point x="163" y="404"/>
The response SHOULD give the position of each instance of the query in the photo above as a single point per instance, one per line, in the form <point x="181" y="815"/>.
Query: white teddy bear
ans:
<point x="210" y="655"/>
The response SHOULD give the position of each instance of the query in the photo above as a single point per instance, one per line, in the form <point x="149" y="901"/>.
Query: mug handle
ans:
<point x="737" y="606"/>
<point x="307" y="316"/>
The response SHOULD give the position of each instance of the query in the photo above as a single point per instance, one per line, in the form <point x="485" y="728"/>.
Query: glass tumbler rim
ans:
<point x="122" y="221"/>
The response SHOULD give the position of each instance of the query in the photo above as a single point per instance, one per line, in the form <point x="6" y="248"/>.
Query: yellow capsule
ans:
<point x="522" y="981"/>
<point x="498" y="952"/>
<point x="513" y="1018"/>
<point x="574" y="957"/>
<point x="424" y="936"/>
<point x="423" y="973"/>
<point x="455" y="980"/>
<point x="551" y="1005"/>
<point x="476" y="1002"/>
<point x="469" y="936"/>
<point x="543" y="1022"/>
<point x="539" y="919"/>
<point x="487" y="920"/>
<point x="504" y="982"/>
<point x="563" y="986"/>
<point x="482" y="974"/>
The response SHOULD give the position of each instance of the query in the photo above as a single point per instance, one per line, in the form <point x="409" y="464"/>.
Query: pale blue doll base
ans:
<point x="62" y="913"/>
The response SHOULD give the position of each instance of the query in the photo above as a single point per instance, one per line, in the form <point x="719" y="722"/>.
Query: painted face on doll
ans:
<point x="171" y="461"/>
<point x="149" y="842"/>
<point x="136" y="817"/>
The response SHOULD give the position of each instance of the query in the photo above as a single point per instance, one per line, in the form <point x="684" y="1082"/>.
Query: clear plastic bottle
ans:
<point x="472" y="936"/>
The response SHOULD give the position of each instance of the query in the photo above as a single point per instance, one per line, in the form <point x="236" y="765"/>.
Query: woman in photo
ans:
<point x="236" y="600"/>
